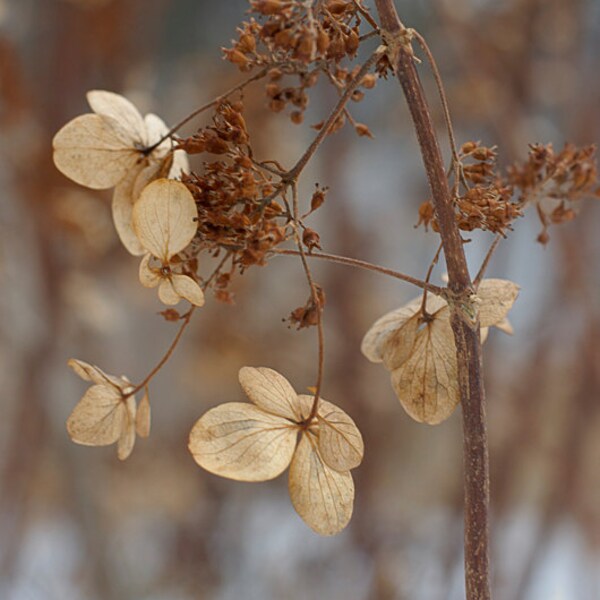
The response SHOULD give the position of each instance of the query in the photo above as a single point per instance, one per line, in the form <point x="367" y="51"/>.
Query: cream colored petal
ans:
<point x="239" y="441"/>
<point x="270" y="391"/>
<point x="94" y="374"/>
<point x="143" y="416"/>
<point x="94" y="152"/>
<point x="164" y="218"/>
<point x="149" y="276"/>
<point x="122" y="209"/>
<point x="180" y="164"/>
<point x="188" y="289"/>
<point x="340" y="442"/>
<point x="115" y="106"/>
<point x="156" y="129"/>
<point x="399" y="344"/>
<point x="127" y="437"/>
<point x="97" y="419"/>
<point x="483" y="333"/>
<point x="323" y="497"/>
<point x="167" y="293"/>
<point x="427" y="382"/>
<point x="506" y="326"/>
<point x="375" y="339"/>
<point x="496" y="297"/>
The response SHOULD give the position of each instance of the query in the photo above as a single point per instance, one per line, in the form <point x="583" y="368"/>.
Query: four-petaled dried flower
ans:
<point x="258" y="441"/>
<point x="113" y="147"/>
<point x="419" y="350"/>
<point x="108" y="412"/>
<point x="164" y="220"/>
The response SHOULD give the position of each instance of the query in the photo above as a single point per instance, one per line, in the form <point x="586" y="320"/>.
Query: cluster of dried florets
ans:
<point x="491" y="200"/>
<point x="555" y="181"/>
<point x="295" y="42"/>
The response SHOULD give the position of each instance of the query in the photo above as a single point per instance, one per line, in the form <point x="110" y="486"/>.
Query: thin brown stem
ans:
<point x="159" y="365"/>
<point x="361" y="264"/>
<point x="465" y="329"/>
<point x="486" y="260"/>
<point x="293" y="173"/>
<point x="316" y="302"/>
<point x="428" y="277"/>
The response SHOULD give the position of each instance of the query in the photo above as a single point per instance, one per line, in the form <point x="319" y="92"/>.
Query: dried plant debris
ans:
<point x="419" y="351"/>
<point x="108" y="412"/>
<point x="257" y="441"/>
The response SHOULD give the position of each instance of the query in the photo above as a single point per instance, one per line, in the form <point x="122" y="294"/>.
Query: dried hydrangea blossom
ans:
<point x="419" y="349"/>
<point x="258" y="441"/>
<point x="164" y="220"/>
<point x="107" y="413"/>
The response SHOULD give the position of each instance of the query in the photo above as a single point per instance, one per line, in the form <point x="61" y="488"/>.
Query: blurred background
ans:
<point x="75" y="523"/>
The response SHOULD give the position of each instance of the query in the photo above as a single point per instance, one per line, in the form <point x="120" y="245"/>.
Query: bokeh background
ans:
<point x="75" y="523"/>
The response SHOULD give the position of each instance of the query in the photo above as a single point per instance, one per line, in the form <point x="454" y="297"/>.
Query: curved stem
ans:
<point x="362" y="264"/>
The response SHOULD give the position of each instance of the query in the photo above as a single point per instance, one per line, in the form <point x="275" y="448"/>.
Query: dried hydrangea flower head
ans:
<point x="419" y="349"/>
<point x="165" y="222"/>
<point x="113" y="147"/>
<point x="258" y="441"/>
<point x="108" y="412"/>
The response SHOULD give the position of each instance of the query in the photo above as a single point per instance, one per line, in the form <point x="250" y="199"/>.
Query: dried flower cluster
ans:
<point x="299" y="41"/>
<point x="492" y="200"/>
<point x="554" y="182"/>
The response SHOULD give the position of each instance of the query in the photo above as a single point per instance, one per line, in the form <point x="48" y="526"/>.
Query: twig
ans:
<point x="361" y="264"/>
<point x="428" y="277"/>
<point x="486" y="260"/>
<point x="316" y="302"/>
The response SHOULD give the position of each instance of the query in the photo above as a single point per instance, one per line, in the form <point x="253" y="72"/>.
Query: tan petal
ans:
<point x="164" y="218"/>
<point x="143" y="416"/>
<point x="270" y="391"/>
<point x="149" y="276"/>
<point x="94" y="151"/>
<point x="127" y="437"/>
<point x="340" y="442"/>
<point x="427" y="382"/>
<point x="167" y="293"/>
<point x="506" y="326"/>
<point x="95" y="374"/>
<point x="496" y="297"/>
<point x="98" y="417"/>
<point x="323" y="497"/>
<point x="115" y="106"/>
<point x="239" y="441"/>
<point x="375" y="339"/>
<point x="122" y="209"/>
<point x="188" y="289"/>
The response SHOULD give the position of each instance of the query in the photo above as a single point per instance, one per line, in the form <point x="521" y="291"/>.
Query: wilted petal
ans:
<point x="115" y="106"/>
<point x="240" y="441"/>
<point x="122" y="209"/>
<point x="427" y="382"/>
<point x="322" y="496"/>
<point x="164" y="218"/>
<point x="188" y="289"/>
<point x="94" y="151"/>
<point x="167" y="293"/>
<point x="180" y="164"/>
<point x="506" y="326"/>
<point x="339" y="440"/>
<point x="496" y="297"/>
<point x="97" y="419"/>
<point x="94" y="374"/>
<point x="143" y="416"/>
<point x="375" y="339"/>
<point x="127" y="437"/>
<point x="271" y="391"/>
<point x="149" y="277"/>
